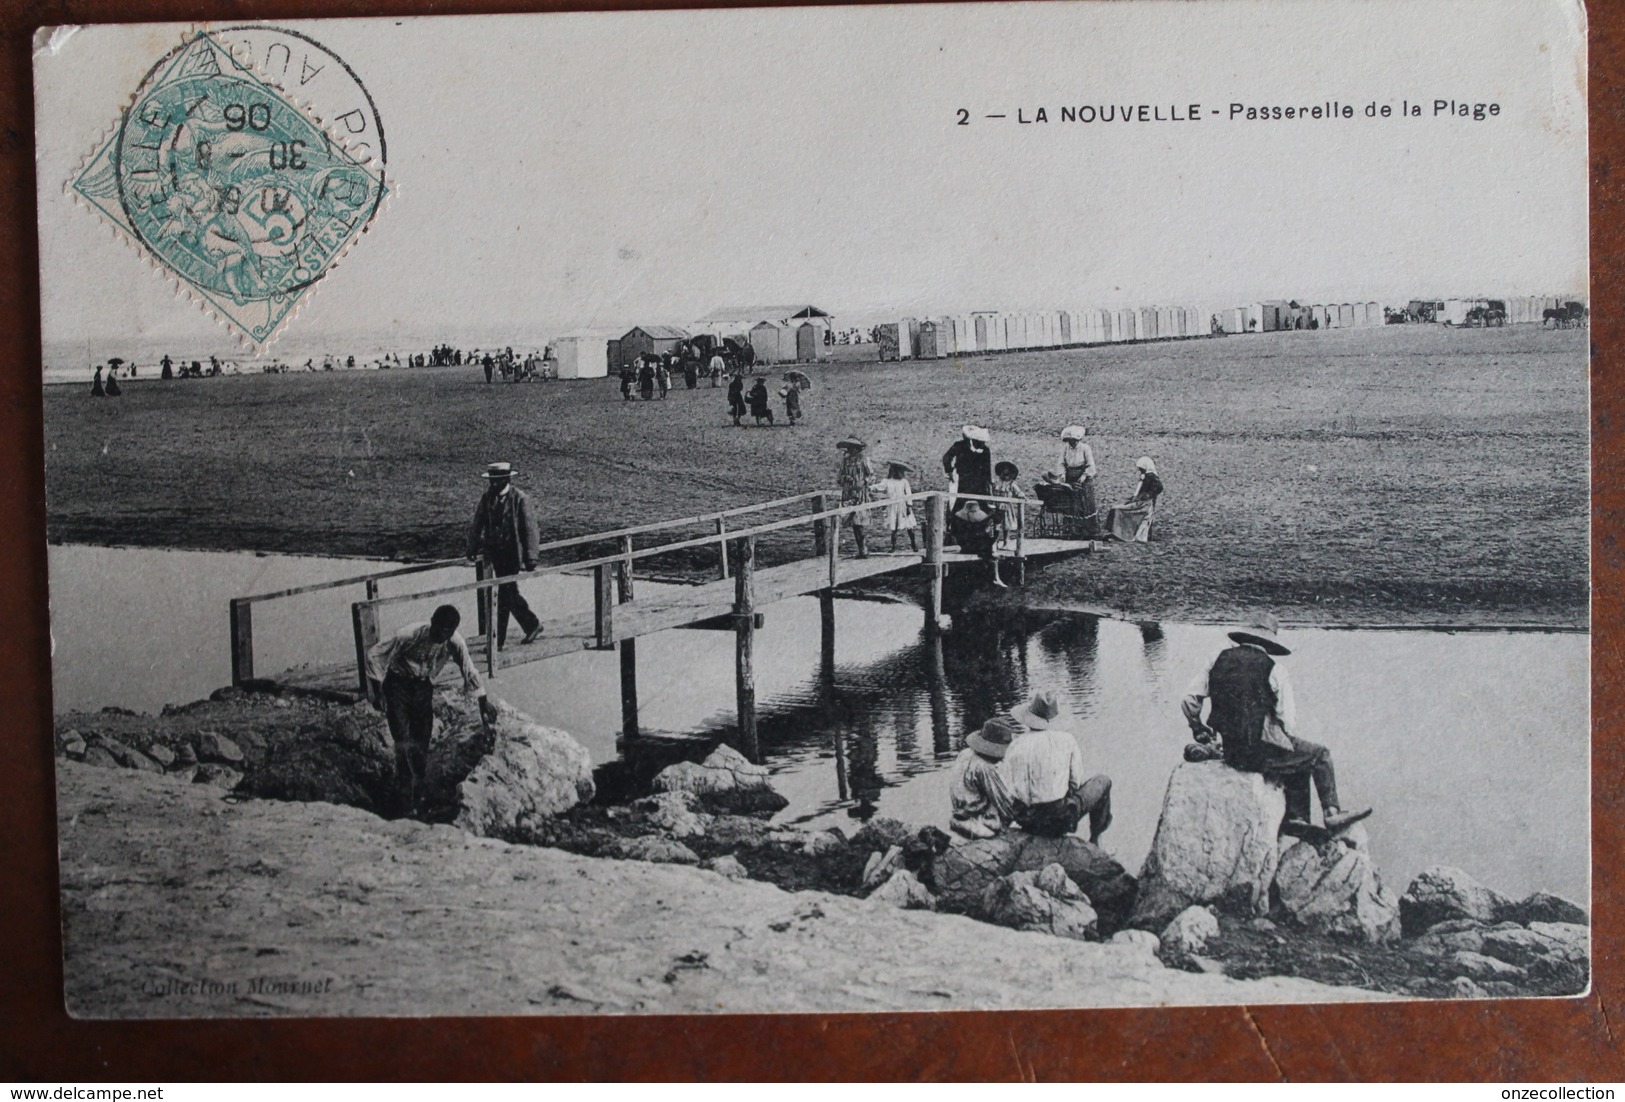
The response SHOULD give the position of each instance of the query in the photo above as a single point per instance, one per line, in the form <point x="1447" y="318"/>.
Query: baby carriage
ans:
<point x="1061" y="513"/>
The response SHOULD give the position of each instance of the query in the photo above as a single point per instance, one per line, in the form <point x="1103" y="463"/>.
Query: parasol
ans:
<point x="800" y="378"/>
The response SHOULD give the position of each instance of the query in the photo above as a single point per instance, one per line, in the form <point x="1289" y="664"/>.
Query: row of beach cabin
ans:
<point x="781" y="334"/>
<point x="994" y="331"/>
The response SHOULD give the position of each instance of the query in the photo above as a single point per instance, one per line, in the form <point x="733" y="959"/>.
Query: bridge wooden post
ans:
<point x="603" y="607"/>
<point x="1021" y="547"/>
<point x="936" y="525"/>
<point x="481" y="620"/>
<point x="628" y="649"/>
<point x="826" y="684"/>
<point x="242" y="641"/>
<point x="820" y="526"/>
<point x="744" y="645"/>
<point x="488" y="605"/>
<point x="834" y="550"/>
<point x="722" y="548"/>
<point x="364" y="621"/>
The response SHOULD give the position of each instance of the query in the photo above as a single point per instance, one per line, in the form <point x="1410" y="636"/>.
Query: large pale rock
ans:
<point x="1479" y="967"/>
<point x="1523" y="947"/>
<point x="161" y="754"/>
<point x="220" y="776"/>
<point x="880" y="866"/>
<point x="531" y="772"/>
<point x="726" y="865"/>
<point x="963" y="871"/>
<point x="673" y="812"/>
<point x="1190" y="930"/>
<point x="903" y="890"/>
<point x="1441" y="893"/>
<point x="1333" y="888"/>
<point x="1546" y="907"/>
<point x="726" y="781"/>
<point x="1047" y="901"/>
<point x="217" y="748"/>
<point x="1140" y="939"/>
<point x="652" y="847"/>
<point x="1574" y="938"/>
<point x="1439" y="942"/>
<point x="1216" y="842"/>
<point x="129" y="757"/>
<point x="96" y="755"/>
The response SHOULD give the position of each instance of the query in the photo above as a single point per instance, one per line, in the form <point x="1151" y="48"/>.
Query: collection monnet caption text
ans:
<point x="1111" y="113"/>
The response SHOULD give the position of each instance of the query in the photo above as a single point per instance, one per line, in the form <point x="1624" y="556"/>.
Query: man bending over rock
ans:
<point x="400" y="674"/>
<point x="1251" y="708"/>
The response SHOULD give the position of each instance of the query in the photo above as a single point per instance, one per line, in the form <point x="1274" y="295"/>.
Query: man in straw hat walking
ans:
<point x="505" y="533"/>
<point x="1252" y="709"/>
<point x="1049" y="787"/>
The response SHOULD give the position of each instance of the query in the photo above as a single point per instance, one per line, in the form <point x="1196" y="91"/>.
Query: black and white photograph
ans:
<point x="803" y="510"/>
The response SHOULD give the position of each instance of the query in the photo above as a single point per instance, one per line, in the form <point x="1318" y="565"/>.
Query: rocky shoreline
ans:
<point x="1219" y="896"/>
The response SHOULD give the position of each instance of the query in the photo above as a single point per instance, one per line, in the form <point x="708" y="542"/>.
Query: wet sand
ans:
<point x="1404" y="475"/>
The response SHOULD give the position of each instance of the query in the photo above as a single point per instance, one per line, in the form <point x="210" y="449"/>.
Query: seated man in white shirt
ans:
<point x="1043" y="770"/>
<point x="400" y="674"/>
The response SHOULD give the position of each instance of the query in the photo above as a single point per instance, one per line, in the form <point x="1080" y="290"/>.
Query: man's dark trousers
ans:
<point x="409" y="708"/>
<point x="509" y="599"/>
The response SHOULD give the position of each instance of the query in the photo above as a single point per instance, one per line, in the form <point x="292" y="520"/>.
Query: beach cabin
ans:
<point x="584" y="354"/>
<point x="735" y="321"/>
<point x="768" y="340"/>
<point x="809" y="342"/>
<point x="647" y="339"/>
<point x="1128" y="325"/>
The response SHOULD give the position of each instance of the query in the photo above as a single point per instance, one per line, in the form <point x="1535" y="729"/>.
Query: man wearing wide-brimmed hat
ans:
<point x="1049" y="787"/>
<point x="1252" y="709"/>
<point x="981" y="802"/>
<point x="505" y="533"/>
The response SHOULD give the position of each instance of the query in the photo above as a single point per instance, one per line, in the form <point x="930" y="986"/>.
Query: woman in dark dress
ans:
<point x="736" y="398"/>
<point x="759" y="407"/>
<point x="96" y="384"/>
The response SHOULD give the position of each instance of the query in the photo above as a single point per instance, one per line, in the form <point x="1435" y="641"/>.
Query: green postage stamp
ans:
<point x="231" y="186"/>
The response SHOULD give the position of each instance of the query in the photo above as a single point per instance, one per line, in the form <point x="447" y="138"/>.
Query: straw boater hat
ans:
<point x="1262" y="632"/>
<point x="498" y="470"/>
<point x="1073" y="432"/>
<point x="1006" y="469"/>
<point x="898" y="465"/>
<point x="851" y="443"/>
<point x="993" y="739"/>
<point x="1040" y="712"/>
<point x="976" y="433"/>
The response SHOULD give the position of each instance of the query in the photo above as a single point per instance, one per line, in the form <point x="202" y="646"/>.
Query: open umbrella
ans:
<point x="800" y="378"/>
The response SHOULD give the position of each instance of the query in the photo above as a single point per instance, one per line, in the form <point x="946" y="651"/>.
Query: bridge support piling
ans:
<point x="821" y="526"/>
<point x="826" y="684"/>
<point x="364" y="621"/>
<point x="242" y="641"/>
<point x="936" y="526"/>
<point x="628" y="650"/>
<point x="745" y="645"/>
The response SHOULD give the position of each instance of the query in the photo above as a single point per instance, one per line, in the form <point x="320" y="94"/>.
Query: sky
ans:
<point x="559" y="171"/>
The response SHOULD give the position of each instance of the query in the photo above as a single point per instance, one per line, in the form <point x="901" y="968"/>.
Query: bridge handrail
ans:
<point x="555" y="545"/>
<point x="355" y="579"/>
<point x="651" y="552"/>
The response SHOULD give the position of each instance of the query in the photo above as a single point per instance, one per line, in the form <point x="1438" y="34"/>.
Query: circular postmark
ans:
<point x="233" y="185"/>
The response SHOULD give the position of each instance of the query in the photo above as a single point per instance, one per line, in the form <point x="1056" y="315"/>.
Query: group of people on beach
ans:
<point x="759" y="403"/>
<point x="1027" y="771"/>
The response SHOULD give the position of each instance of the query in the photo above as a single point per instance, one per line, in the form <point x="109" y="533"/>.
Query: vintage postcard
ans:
<point x="837" y="509"/>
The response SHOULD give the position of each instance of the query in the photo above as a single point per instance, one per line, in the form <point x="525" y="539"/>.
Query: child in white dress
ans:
<point x="894" y="490"/>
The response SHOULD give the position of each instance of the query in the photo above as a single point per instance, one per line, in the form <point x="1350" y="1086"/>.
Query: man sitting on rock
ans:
<point x="1252" y="710"/>
<point x="981" y="802"/>
<point x="400" y="676"/>
<point x="1044" y="771"/>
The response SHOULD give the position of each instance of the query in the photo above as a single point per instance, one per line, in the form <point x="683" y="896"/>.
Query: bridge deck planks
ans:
<point x="679" y="607"/>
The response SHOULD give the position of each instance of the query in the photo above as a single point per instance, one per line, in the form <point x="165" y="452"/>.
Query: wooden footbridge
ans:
<point x="618" y="615"/>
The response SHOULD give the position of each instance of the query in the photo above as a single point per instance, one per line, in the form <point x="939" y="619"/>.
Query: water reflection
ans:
<point x="861" y="705"/>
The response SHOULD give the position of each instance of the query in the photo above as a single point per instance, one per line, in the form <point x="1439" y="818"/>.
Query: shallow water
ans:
<point x="1474" y="748"/>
